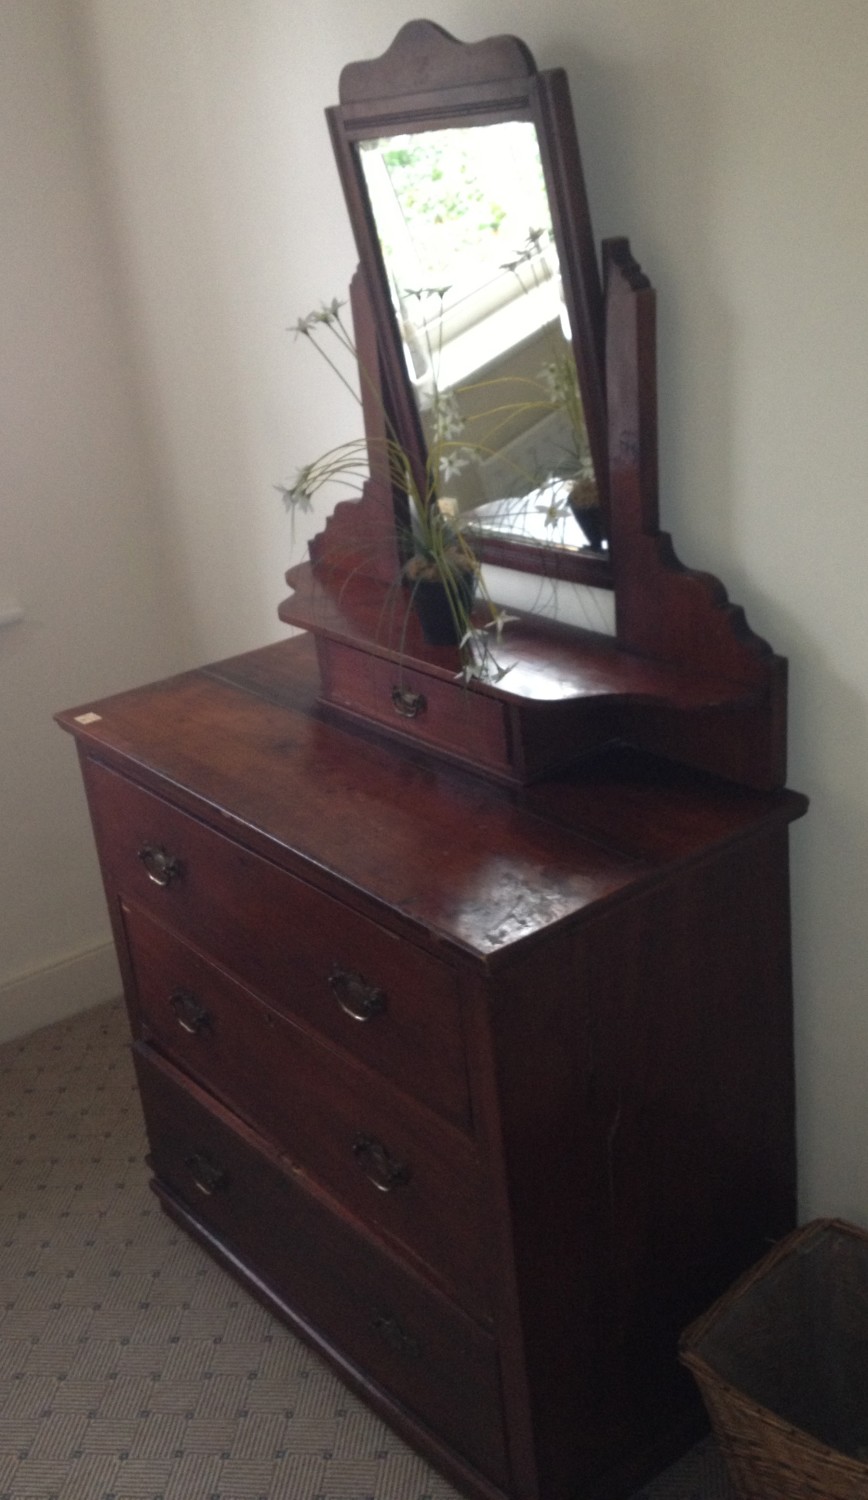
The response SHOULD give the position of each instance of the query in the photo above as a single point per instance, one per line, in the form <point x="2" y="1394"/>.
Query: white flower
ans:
<point x="451" y="464"/>
<point x="448" y="421"/>
<point x="499" y="619"/>
<point x="555" y="511"/>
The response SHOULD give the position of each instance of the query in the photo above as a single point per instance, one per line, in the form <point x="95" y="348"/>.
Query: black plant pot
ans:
<point x="590" y="519"/>
<point x="437" y="608"/>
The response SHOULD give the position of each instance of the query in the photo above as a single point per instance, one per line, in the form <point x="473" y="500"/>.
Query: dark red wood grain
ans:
<point x="339" y="1289"/>
<point x="319" y="1102"/>
<point x="561" y="1121"/>
<point x="592" y="1079"/>
<point x="429" y="80"/>
<point x="684" y="675"/>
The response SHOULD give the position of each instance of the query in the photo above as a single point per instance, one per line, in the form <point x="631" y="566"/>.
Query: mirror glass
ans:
<point x="467" y="241"/>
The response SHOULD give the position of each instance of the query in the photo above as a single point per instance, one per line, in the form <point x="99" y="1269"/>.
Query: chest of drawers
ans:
<point x="485" y="1093"/>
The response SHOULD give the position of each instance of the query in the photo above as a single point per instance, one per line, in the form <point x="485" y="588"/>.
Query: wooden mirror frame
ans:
<point x="684" y="677"/>
<point x="429" y="80"/>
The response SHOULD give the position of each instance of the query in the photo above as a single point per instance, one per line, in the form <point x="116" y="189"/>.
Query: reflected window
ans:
<point x="467" y="240"/>
<point x="464" y="226"/>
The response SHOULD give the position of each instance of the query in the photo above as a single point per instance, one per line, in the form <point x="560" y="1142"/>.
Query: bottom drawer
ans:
<point x="420" y="1349"/>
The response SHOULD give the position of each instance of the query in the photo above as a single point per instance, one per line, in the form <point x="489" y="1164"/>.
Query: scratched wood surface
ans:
<point x="476" y="865"/>
<point x="590" y="1071"/>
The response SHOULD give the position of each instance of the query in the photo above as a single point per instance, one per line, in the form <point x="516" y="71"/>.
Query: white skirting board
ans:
<point x="58" y="990"/>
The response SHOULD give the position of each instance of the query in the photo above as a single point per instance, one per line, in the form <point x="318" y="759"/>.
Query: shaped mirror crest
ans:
<point x="468" y="245"/>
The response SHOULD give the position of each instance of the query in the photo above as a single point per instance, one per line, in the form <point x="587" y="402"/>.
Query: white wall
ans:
<point x="79" y="548"/>
<point x="726" y="140"/>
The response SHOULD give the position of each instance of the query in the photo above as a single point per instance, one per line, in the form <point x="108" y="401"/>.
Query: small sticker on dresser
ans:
<point x="88" y="718"/>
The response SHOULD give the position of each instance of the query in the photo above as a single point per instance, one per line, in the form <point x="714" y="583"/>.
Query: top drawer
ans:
<point x="390" y="1004"/>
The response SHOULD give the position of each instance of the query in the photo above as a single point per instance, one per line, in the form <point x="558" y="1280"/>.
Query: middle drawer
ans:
<point x="414" y="1179"/>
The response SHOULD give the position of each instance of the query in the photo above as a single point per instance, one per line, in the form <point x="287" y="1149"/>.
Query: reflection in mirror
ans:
<point x="467" y="240"/>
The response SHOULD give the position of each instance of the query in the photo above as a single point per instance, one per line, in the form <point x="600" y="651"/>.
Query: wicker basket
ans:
<point x="782" y="1364"/>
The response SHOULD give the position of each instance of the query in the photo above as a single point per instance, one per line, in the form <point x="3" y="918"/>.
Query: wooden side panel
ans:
<point x="646" y="1082"/>
<point x="663" y="609"/>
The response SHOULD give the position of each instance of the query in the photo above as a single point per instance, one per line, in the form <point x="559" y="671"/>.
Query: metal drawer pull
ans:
<point x="189" y="1014"/>
<point x="408" y="705"/>
<point x="396" y="1336"/>
<point x="162" y="868"/>
<point x="208" y="1177"/>
<point x="355" y="996"/>
<point x="383" y="1170"/>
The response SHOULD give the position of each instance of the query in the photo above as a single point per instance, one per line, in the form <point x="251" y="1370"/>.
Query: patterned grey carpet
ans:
<point x="132" y="1367"/>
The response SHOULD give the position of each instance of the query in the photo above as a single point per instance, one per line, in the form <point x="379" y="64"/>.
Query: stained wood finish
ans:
<point x="597" y="1057"/>
<point x="417" y="706"/>
<point x="566" y="691"/>
<point x="671" y="1016"/>
<point x="483" y="1082"/>
<point x="289" y="942"/>
<point x="664" y="610"/>
<point x="684" y="677"/>
<point x="373" y="1149"/>
<point x="421" y="1352"/>
<point x="427" y="80"/>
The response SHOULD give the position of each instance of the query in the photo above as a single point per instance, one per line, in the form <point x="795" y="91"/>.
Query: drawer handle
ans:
<point x="208" y="1177"/>
<point x="395" y="1336"/>
<point x="355" y="996"/>
<point x="408" y="705"/>
<point x="189" y="1014"/>
<point x="162" y="868"/>
<point x="383" y="1170"/>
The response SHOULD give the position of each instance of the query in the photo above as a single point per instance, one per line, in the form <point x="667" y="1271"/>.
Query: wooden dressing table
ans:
<point x="464" y="1039"/>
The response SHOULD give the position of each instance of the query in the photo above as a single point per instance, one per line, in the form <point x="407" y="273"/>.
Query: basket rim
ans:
<point x="813" y="1229"/>
<point x="716" y="1388"/>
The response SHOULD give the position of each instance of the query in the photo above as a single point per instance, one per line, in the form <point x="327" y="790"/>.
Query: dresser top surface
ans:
<point x="482" y="867"/>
